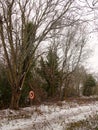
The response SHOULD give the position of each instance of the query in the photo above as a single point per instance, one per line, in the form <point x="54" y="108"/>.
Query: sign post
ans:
<point x="31" y="96"/>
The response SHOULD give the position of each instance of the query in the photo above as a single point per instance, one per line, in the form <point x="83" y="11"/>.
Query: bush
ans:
<point x="89" y="84"/>
<point x="5" y="91"/>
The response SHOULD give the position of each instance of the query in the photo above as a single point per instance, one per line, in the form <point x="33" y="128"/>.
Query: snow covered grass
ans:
<point x="57" y="116"/>
<point x="89" y="124"/>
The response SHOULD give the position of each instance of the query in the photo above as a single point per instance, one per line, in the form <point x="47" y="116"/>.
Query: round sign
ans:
<point x="31" y="95"/>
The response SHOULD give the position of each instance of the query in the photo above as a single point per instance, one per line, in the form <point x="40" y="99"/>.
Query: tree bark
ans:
<point x="15" y="99"/>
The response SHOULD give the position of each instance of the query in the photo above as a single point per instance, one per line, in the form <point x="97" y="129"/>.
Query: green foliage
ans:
<point x="88" y="85"/>
<point x="90" y="81"/>
<point x="5" y="90"/>
<point x="29" y="61"/>
<point x="49" y="72"/>
<point x="24" y="100"/>
<point x="29" y="35"/>
<point x="28" y="48"/>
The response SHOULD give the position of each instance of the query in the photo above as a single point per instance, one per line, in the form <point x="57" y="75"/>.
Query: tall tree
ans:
<point x="50" y="71"/>
<point x="45" y="15"/>
<point x="89" y="83"/>
<point x="73" y="45"/>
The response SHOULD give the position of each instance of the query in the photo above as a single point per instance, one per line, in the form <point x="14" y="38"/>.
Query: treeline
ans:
<point x="43" y="45"/>
<point x="46" y="80"/>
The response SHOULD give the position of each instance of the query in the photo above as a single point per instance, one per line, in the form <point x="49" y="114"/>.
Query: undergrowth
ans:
<point x="88" y="124"/>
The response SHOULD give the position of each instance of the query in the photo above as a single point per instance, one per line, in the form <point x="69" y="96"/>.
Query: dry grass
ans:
<point x="89" y="124"/>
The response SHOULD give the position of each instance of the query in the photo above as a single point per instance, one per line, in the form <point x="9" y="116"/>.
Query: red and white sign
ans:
<point x="31" y="95"/>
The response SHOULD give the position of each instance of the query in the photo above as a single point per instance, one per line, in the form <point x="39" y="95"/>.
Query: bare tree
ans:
<point x="73" y="53"/>
<point x="24" y="24"/>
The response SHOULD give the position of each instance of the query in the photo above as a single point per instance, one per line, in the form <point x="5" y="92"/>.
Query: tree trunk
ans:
<point x="62" y="96"/>
<point x="15" y="99"/>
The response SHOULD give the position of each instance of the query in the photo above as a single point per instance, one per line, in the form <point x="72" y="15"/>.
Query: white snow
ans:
<point x="47" y="117"/>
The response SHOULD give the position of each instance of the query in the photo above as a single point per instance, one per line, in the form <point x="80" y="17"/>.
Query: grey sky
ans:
<point x="91" y="14"/>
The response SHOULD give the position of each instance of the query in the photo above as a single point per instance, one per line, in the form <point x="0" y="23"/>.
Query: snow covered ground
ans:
<point x="47" y="117"/>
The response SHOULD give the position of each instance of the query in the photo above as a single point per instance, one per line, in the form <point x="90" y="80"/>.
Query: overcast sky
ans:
<point x="94" y="39"/>
<point x="92" y="62"/>
<point x="92" y="16"/>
